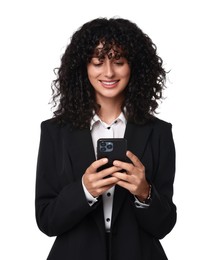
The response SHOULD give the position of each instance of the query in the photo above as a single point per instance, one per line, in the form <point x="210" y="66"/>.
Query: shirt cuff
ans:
<point x="90" y="199"/>
<point x="139" y="204"/>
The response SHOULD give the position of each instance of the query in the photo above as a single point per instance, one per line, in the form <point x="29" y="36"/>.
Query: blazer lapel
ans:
<point x="137" y="138"/>
<point x="81" y="150"/>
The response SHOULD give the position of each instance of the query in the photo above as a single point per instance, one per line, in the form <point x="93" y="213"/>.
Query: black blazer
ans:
<point x="62" y="209"/>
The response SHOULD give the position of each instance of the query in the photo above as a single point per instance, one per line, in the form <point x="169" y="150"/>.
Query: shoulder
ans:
<point x="161" y="128"/>
<point x="52" y="127"/>
<point x="49" y="123"/>
<point x="49" y="126"/>
<point x="162" y="133"/>
<point x="153" y="124"/>
<point x="55" y="127"/>
<point x="160" y="124"/>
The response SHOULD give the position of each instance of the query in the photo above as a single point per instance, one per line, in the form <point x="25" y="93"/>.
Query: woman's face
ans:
<point x="109" y="75"/>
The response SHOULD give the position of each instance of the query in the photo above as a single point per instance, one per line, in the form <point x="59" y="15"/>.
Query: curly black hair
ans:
<point x="73" y="96"/>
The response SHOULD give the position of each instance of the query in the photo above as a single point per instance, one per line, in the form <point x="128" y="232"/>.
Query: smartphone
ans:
<point x="113" y="149"/>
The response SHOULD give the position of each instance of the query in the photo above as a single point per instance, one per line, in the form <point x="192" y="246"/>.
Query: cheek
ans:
<point x="89" y="72"/>
<point x="127" y="75"/>
<point x="92" y="73"/>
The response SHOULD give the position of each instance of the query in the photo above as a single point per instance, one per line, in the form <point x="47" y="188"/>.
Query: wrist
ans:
<point x="146" y="197"/>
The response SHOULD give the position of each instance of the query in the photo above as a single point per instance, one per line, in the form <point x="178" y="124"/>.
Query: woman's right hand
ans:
<point x="96" y="182"/>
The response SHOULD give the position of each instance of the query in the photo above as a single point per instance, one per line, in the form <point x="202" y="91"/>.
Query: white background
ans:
<point x="34" y="35"/>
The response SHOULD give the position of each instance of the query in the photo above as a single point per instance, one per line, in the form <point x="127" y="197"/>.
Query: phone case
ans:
<point x="113" y="149"/>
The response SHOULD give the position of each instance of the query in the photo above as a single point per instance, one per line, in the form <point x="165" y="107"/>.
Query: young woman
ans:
<point x="108" y="85"/>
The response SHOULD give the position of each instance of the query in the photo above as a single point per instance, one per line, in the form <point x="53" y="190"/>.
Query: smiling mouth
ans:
<point x="109" y="83"/>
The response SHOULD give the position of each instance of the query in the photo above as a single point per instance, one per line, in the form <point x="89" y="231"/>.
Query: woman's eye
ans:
<point x="119" y="63"/>
<point x="97" y="64"/>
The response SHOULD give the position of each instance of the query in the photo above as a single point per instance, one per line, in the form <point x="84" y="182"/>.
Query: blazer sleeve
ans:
<point x="160" y="217"/>
<point x="58" y="207"/>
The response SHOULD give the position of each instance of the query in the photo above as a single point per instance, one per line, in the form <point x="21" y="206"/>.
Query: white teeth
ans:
<point x="109" y="83"/>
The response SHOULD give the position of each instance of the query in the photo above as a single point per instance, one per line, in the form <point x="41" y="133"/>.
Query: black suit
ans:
<point x="62" y="209"/>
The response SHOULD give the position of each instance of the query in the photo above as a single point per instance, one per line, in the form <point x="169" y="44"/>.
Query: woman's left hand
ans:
<point x="134" y="180"/>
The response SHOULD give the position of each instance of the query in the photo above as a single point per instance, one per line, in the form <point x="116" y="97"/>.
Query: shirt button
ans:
<point x="108" y="219"/>
<point x="108" y="194"/>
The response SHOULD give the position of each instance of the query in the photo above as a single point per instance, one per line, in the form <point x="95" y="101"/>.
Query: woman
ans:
<point x="108" y="85"/>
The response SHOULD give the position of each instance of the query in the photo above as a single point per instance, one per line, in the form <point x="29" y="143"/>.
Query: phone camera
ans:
<point x="109" y="146"/>
<point x="106" y="146"/>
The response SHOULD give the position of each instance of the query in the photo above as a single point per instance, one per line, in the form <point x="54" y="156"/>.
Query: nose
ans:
<point x="109" y="70"/>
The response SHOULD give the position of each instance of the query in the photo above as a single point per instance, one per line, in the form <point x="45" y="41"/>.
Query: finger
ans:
<point x="95" y="165"/>
<point x="122" y="176"/>
<point x="128" y="167"/>
<point x="103" y="189"/>
<point x="107" y="181"/>
<point x="99" y="187"/>
<point x="104" y="184"/>
<point x="134" y="159"/>
<point x="106" y="172"/>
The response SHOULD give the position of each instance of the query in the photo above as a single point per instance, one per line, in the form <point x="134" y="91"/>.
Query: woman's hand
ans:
<point x="96" y="182"/>
<point x="135" y="178"/>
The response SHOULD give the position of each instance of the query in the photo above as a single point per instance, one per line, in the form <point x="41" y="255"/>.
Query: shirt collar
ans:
<point x="96" y="119"/>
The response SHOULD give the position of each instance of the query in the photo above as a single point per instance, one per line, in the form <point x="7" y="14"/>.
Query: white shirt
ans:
<point x="100" y="129"/>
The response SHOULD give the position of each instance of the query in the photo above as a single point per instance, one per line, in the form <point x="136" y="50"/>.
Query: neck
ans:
<point x="109" y="111"/>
